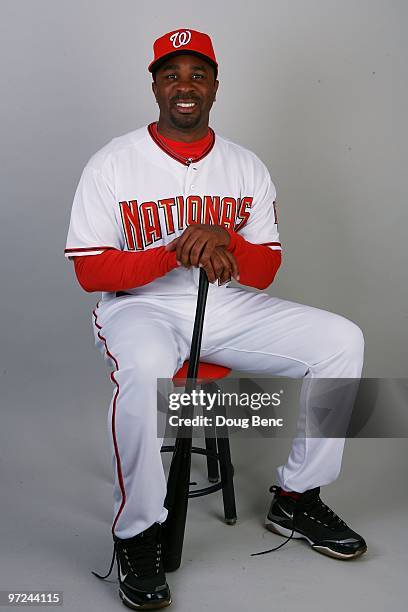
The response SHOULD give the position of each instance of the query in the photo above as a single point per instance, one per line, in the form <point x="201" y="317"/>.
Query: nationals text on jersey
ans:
<point x="142" y="227"/>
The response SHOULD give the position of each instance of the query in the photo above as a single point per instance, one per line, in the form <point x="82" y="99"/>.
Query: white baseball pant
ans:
<point x="145" y="337"/>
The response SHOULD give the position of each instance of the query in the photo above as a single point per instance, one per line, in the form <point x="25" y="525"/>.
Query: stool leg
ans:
<point x="227" y="476"/>
<point x="211" y="445"/>
<point x="212" y="463"/>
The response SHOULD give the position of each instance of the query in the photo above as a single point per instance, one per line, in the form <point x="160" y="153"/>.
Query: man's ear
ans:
<point x="216" y="89"/>
<point x="154" y="88"/>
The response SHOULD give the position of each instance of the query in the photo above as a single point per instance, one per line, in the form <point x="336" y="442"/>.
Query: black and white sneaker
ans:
<point x="304" y="515"/>
<point x="142" y="581"/>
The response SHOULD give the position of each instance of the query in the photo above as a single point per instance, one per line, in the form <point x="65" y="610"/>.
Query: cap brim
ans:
<point x="155" y="65"/>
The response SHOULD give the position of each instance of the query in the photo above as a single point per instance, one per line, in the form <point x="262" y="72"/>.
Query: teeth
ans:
<point x="185" y="104"/>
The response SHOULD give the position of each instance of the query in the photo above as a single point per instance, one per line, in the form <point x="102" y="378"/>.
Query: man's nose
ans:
<point x="186" y="91"/>
<point x="184" y="84"/>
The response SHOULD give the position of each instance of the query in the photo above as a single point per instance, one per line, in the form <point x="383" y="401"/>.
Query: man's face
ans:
<point x="185" y="90"/>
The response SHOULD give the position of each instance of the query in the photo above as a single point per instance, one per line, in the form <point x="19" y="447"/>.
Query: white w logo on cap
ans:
<point x="180" y="38"/>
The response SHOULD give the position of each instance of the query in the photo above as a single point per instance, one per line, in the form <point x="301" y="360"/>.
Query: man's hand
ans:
<point x="197" y="243"/>
<point x="205" y="246"/>
<point x="221" y="267"/>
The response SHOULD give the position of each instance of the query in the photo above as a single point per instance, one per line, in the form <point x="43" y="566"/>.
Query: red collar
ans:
<point x="183" y="152"/>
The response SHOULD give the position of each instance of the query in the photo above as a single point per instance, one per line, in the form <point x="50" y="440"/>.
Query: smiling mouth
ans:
<point x="186" y="107"/>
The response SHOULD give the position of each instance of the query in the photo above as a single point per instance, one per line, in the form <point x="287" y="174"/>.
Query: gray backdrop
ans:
<point x="318" y="90"/>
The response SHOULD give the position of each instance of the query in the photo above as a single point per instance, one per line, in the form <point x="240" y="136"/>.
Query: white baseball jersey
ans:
<point x="133" y="195"/>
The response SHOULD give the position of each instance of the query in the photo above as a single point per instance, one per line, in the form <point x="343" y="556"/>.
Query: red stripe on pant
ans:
<point x="115" y="443"/>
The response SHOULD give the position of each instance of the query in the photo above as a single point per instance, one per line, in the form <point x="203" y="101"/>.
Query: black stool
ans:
<point x="217" y="448"/>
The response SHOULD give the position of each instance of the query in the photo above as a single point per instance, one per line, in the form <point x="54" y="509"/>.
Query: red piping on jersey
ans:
<point x="82" y="249"/>
<point x="118" y="463"/>
<point x="271" y="244"/>
<point x="174" y="155"/>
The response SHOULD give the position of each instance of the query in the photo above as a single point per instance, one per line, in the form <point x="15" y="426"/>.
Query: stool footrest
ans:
<point x="205" y="490"/>
<point x="194" y="449"/>
<point x="207" y="453"/>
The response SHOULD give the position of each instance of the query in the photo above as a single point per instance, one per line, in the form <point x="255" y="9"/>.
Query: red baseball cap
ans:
<point x="183" y="41"/>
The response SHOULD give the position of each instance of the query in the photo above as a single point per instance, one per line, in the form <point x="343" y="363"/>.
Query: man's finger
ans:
<point x="207" y="252"/>
<point x="208" y="267"/>
<point x="222" y="266"/>
<point x="171" y="246"/>
<point x="197" y="251"/>
<point x="180" y="243"/>
<point x="192" y="243"/>
<point x="234" y="264"/>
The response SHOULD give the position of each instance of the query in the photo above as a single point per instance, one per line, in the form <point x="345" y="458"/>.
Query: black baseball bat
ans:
<point x="178" y="481"/>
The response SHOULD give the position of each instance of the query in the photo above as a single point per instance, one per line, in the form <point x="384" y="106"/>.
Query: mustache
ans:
<point x="191" y="97"/>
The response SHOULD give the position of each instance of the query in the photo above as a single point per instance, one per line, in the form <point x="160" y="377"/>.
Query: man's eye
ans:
<point x="171" y="76"/>
<point x="198" y="76"/>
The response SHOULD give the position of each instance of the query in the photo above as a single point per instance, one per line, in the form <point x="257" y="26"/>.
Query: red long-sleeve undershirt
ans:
<point x="115" y="270"/>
